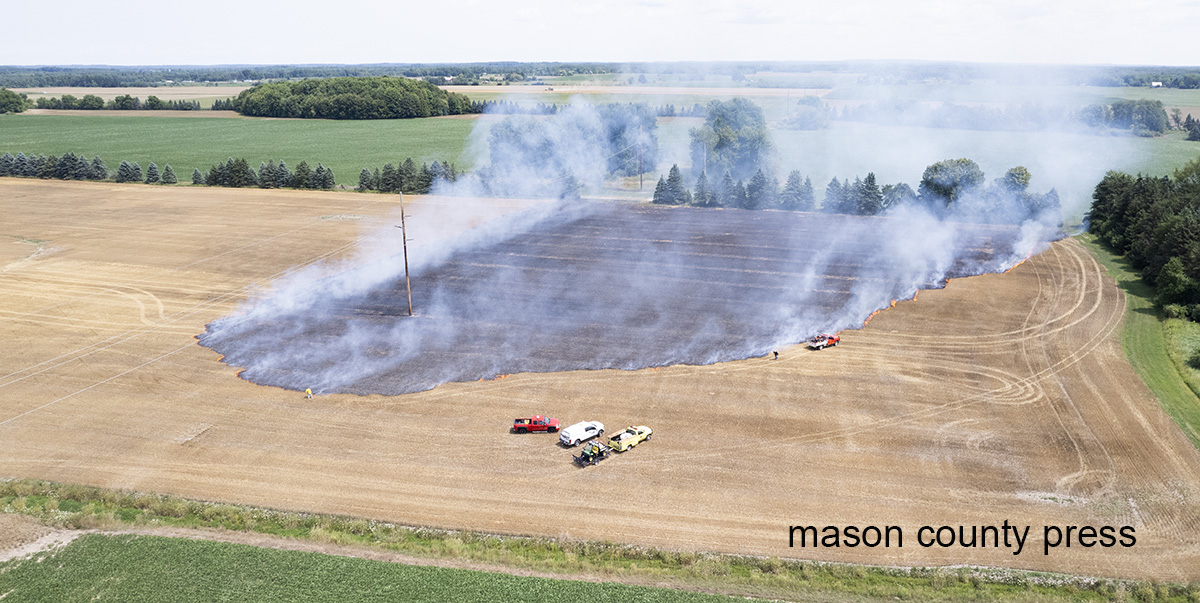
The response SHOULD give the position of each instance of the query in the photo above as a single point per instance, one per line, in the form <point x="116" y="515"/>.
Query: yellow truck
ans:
<point x="629" y="437"/>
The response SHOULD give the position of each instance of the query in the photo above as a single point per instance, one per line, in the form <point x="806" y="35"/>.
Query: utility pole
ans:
<point x="404" y="237"/>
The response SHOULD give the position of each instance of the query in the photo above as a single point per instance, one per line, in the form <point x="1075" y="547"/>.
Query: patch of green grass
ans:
<point x="197" y="142"/>
<point x="1147" y="344"/>
<point x="148" y="568"/>
<point x="727" y="574"/>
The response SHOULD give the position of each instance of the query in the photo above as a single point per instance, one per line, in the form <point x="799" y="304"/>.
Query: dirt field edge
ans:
<point x="38" y="524"/>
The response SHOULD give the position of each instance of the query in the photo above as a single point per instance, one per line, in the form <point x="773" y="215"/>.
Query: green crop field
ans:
<point x="195" y="142"/>
<point x="148" y="568"/>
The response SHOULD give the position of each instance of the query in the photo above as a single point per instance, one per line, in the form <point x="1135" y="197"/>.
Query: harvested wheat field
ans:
<point x="1001" y="397"/>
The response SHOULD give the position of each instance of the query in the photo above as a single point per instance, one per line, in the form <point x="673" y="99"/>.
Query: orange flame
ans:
<point x="868" y="320"/>
<point x="1014" y="267"/>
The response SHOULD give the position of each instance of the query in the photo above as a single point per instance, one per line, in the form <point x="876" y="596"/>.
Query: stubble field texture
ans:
<point x="1000" y="397"/>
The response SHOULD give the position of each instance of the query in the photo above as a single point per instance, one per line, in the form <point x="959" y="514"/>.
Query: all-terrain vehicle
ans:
<point x="593" y="452"/>
<point x="823" y="341"/>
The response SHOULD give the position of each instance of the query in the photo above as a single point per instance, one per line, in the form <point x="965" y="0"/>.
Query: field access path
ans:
<point x="1001" y="397"/>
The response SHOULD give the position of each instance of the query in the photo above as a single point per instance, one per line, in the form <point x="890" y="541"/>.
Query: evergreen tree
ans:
<point x="48" y="167"/>
<point x="727" y="194"/>
<point x="677" y="193"/>
<point x="704" y="196"/>
<point x="409" y="176"/>
<point x="424" y="180"/>
<point x="83" y="169"/>
<point x="808" y="199"/>
<point x="99" y="170"/>
<point x="365" y="181"/>
<point x="793" y="191"/>
<point x="389" y="179"/>
<point x="7" y="161"/>
<point x="303" y="176"/>
<point x="761" y="192"/>
<point x="283" y="177"/>
<point x="376" y="179"/>
<point x="152" y="175"/>
<point x="870" y="198"/>
<point x="20" y="165"/>
<point x="197" y="177"/>
<point x="739" y="195"/>
<point x="64" y="168"/>
<point x="322" y="177"/>
<point x="125" y="172"/>
<point x="137" y="172"/>
<point x="266" y="174"/>
<point x="36" y="163"/>
<point x="240" y="174"/>
<point x="833" y="197"/>
<point x="168" y="175"/>
<point x="660" y="192"/>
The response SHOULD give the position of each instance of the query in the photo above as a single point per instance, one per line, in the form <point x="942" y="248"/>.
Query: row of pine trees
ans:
<point x="864" y="196"/>
<point x="762" y="192"/>
<point x="404" y="177"/>
<point x="237" y="173"/>
<point x="70" y="166"/>
<point x="407" y="177"/>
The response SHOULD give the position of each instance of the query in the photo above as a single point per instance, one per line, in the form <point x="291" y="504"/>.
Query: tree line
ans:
<point x="1140" y="117"/>
<point x="70" y="166"/>
<point x="237" y="173"/>
<point x="351" y="98"/>
<point x="117" y="77"/>
<point x="952" y="187"/>
<point x="407" y="177"/>
<point x="125" y="102"/>
<point x="1155" y="223"/>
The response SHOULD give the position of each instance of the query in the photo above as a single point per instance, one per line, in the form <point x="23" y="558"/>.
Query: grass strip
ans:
<point x="80" y="507"/>
<point x="1148" y="340"/>
<point x="153" y="568"/>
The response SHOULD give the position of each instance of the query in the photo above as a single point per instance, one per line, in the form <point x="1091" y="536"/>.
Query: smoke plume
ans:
<point x="591" y="284"/>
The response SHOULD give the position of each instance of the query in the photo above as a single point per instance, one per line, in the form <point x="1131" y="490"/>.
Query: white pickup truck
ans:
<point x="583" y="430"/>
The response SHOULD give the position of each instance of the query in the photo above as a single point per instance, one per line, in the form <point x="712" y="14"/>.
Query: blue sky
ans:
<point x="352" y="31"/>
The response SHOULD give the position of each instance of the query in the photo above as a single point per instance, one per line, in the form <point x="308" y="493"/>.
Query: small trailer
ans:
<point x="593" y="452"/>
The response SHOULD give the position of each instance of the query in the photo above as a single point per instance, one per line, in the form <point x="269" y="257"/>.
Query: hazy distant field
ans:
<point x="1071" y="163"/>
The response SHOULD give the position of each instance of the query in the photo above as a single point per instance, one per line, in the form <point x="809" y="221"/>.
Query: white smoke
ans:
<point x="595" y="284"/>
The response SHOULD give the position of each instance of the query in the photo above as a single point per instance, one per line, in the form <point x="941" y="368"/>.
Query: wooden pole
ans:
<point x="404" y="236"/>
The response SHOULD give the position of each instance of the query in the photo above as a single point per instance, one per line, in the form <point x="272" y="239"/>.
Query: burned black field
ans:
<point x="622" y="286"/>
